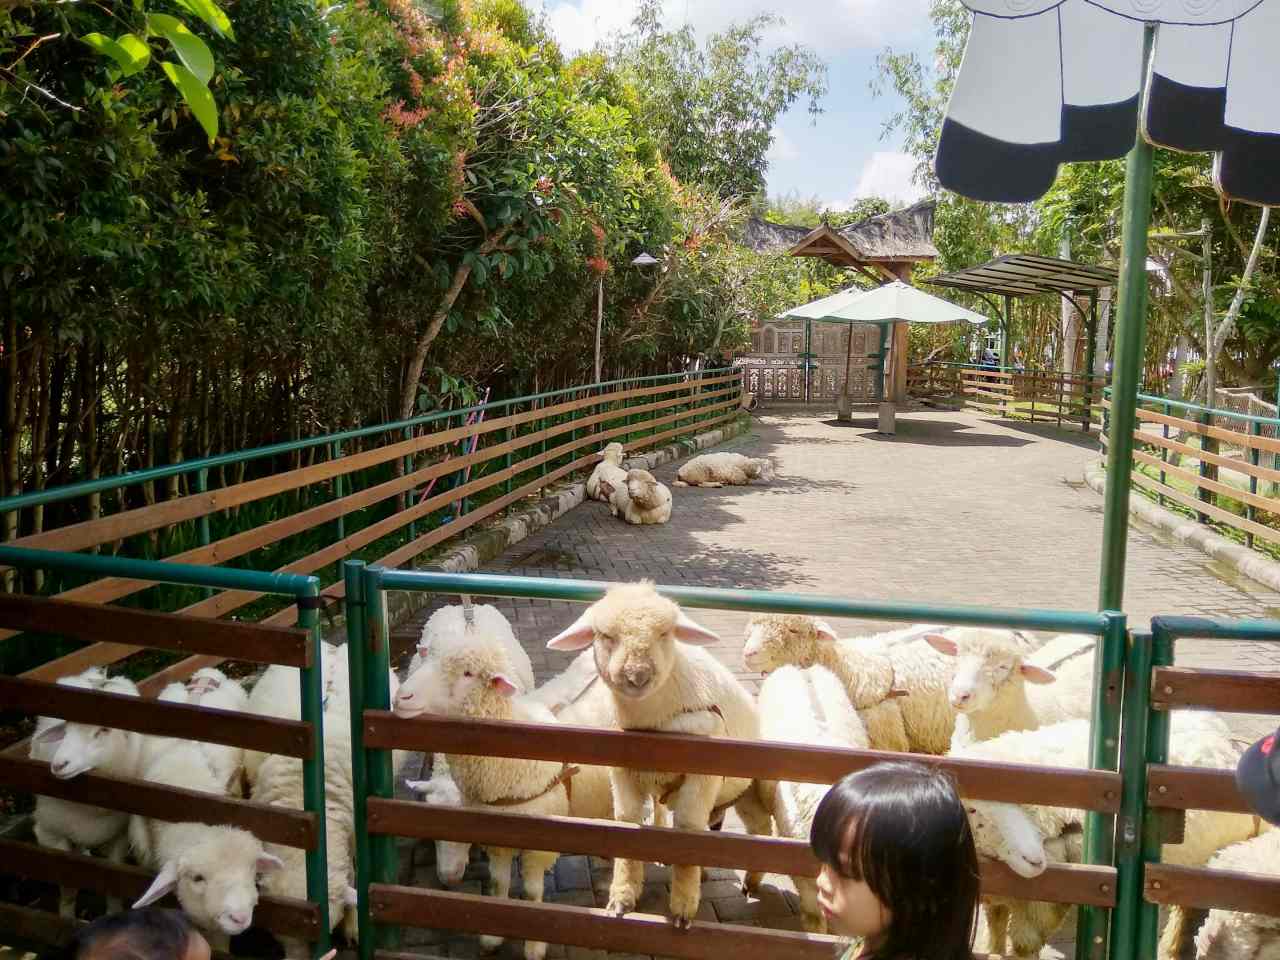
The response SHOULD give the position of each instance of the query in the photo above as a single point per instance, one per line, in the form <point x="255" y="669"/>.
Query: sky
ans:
<point x="840" y="156"/>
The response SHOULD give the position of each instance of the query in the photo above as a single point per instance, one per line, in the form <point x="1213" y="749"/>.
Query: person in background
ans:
<point x="1258" y="777"/>
<point x="899" y="868"/>
<point x="147" y="934"/>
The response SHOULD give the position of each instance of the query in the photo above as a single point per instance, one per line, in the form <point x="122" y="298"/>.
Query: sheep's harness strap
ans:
<point x="565" y="776"/>
<point x="679" y="781"/>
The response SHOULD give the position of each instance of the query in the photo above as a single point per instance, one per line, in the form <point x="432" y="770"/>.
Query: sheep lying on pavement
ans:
<point x="723" y="469"/>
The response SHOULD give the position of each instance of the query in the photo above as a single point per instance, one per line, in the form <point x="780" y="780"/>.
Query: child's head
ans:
<point x="899" y="865"/>
<point x="147" y="934"/>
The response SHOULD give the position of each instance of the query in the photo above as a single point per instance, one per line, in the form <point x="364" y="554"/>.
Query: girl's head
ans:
<point x="146" y="934"/>
<point x="898" y="862"/>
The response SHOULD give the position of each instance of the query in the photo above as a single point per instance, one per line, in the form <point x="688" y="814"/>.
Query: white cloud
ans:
<point x="782" y="148"/>
<point x="889" y="175"/>
<point x="830" y="26"/>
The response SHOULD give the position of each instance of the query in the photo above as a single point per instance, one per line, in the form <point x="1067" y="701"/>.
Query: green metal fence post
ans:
<point x="1104" y="753"/>
<point x="1157" y="751"/>
<point x="506" y="458"/>
<point x="1131" y="325"/>
<point x="542" y="447"/>
<point x="1203" y="495"/>
<point x="202" y="486"/>
<point x="340" y="525"/>
<point x="384" y="867"/>
<point x="1164" y="455"/>
<point x="1129" y="834"/>
<point x="1090" y="358"/>
<point x="311" y="680"/>
<point x="1255" y="429"/>
<point x="352" y="571"/>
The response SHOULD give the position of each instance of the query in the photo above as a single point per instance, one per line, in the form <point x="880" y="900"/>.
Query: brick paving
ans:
<point x="957" y="508"/>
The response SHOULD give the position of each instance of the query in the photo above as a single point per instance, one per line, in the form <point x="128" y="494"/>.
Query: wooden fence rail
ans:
<point x="1037" y="395"/>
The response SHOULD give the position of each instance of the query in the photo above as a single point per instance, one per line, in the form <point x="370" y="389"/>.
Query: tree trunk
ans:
<point x="418" y="359"/>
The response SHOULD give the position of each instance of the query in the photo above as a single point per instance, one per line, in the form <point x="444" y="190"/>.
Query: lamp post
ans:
<point x="643" y="260"/>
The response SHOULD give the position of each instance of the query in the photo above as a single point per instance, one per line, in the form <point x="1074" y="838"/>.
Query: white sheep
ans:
<point x="452" y="856"/>
<point x="660" y="682"/>
<point x="874" y="670"/>
<point x="1015" y="833"/>
<point x="278" y="693"/>
<point x="641" y="499"/>
<point x="610" y="469"/>
<point x="215" y="870"/>
<point x="997" y="684"/>
<point x="810" y="707"/>
<point x="476" y="683"/>
<point x="1226" y="935"/>
<point x="723" y="469"/>
<point x="75" y="748"/>
<point x="210" y="687"/>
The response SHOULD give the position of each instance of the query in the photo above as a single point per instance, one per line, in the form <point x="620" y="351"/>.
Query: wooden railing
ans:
<point x="246" y="642"/>
<point x="1162" y="439"/>
<point x="396" y="492"/>
<point x="1035" y="395"/>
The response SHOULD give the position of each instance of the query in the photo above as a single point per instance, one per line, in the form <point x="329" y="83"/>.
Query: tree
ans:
<point x="714" y="107"/>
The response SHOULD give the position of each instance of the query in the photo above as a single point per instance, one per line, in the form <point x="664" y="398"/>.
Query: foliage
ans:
<point x="714" y="107"/>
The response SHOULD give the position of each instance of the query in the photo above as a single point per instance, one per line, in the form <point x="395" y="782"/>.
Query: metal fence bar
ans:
<point x="379" y="781"/>
<point x="357" y="632"/>
<point x="311" y="680"/>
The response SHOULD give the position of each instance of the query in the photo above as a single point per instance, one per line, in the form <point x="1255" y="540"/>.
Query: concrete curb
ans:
<point x="479" y="548"/>
<point x="1240" y="558"/>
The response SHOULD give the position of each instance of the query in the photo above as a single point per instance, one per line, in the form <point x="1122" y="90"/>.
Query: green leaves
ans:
<point x="197" y="95"/>
<point x="129" y="52"/>
<point x="210" y="13"/>
<point x="191" y="50"/>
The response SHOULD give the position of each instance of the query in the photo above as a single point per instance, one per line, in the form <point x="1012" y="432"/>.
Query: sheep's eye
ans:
<point x="101" y="732"/>
<point x="466" y="673"/>
<point x="198" y="878"/>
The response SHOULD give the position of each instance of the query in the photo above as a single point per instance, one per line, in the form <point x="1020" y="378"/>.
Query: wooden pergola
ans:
<point x="882" y="248"/>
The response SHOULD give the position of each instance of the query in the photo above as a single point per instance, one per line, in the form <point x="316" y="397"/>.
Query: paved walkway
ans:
<point x="957" y="507"/>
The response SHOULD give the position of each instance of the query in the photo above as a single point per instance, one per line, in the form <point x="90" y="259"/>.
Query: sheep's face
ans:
<point x="633" y="632"/>
<point x="204" y="681"/>
<point x="465" y="683"/>
<point x="774" y="640"/>
<point x="642" y="488"/>
<point x="81" y="747"/>
<point x="614" y="453"/>
<point x="216" y="880"/>
<point x="1003" y="831"/>
<point x="985" y="664"/>
<point x="760" y="469"/>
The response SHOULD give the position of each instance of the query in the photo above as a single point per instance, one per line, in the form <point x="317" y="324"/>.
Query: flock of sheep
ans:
<point x="216" y="872"/>
<point x="979" y="694"/>
<point x="638" y="497"/>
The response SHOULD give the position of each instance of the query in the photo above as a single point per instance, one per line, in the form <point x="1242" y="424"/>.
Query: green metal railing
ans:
<point x="305" y="591"/>
<point x="369" y="651"/>
<point x="1146" y="742"/>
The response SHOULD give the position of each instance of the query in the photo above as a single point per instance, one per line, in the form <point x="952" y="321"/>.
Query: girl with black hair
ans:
<point x="899" y="869"/>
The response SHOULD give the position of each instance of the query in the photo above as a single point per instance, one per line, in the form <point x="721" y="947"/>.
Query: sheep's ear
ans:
<point x="53" y="734"/>
<point x="825" y="632"/>
<point x="418" y="786"/>
<point x="579" y="634"/>
<point x="687" y="631"/>
<point x="502" y="685"/>
<point x="423" y="648"/>
<point x="161" y="886"/>
<point x="350" y="897"/>
<point x="1034" y="674"/>
<point x="944" y="645"/>
<point x="267" y="862"/>
<point x="606" y="487"/>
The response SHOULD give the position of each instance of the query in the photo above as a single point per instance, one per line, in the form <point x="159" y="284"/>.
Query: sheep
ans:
<point x="640" y="499"/>
<point x="214" y="870"/>
<point x="997" y="685"/>
<point x="1226" y="935"/>
<point x="210" y="687"/>
<point x="75" y="748"/>
<point x="447" y="628"/>
<point x="658" y="680"/>
<point x="610" y="469"/>
<point x="1015" y="833"/>
<point x="871" y="670"/>
<point x="475" y="682"/>
<point x="723" y="469"/>
<point x="806" y="706"/>
<point x="278" y="693"/>
<point x="452" y="856"/>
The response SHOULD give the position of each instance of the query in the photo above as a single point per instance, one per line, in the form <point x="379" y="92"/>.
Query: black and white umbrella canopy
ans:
<point x="1046" y="82"/>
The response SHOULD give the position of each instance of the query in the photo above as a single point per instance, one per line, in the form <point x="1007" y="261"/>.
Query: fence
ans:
<point x="101" y="627"/>
<point x="1250" y="451"/>
<point x="1154" y="791"/>
<point x="380" y="819"/>
<point x="376" y="502"/>
<point x="1037" y="395"/>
